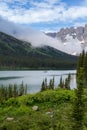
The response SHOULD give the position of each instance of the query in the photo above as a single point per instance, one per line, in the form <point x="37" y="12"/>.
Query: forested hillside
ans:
<point x="20" y="54"/>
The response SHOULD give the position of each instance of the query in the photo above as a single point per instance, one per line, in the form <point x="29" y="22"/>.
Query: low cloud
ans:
<point x="37" y="38"/>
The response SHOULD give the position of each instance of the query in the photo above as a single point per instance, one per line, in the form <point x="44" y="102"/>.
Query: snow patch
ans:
<point x="64" y="44"/>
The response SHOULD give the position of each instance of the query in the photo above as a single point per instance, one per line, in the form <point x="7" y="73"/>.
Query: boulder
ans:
<point x="10" y="119"/>
<point x="35" y="108"/>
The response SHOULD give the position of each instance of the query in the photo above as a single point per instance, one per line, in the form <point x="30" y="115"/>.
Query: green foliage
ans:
<point x="85" y="67"/>
<point x="58" y="103"/>
<point x="15" y="91"/>
<point x="12" y="91"/>
<point x="51" y="84"/>
<point x="45" y="86"/>
<point x="65" y="84"/>
<point x="61" y="84"/>
<point x="78" y="110"/>
<point x="82" y="63"/>
<point x="21" y="89"/>
<point x="25" y="118"/>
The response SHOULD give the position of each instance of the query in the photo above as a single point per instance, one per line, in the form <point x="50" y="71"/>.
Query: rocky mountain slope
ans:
<point x="72" y="35"/>
<point x="80" y="33"/>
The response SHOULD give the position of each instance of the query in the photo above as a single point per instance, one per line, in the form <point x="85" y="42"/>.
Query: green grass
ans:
<point x="25" y="118"/>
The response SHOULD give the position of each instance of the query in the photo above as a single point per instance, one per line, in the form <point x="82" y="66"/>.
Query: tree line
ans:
<point x="63" y="84"/>
<point x="9" y="91"/>
<point x="46" y="86"/>
<point x="82" y="63"/>
<point x="34" y="62"/>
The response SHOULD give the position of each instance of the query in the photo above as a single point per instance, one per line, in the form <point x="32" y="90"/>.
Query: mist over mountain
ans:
<point x="37" y="38"/>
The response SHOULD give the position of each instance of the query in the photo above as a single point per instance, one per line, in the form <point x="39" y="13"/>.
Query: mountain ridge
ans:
<point x="80" y="32"/>
<point x="74" y="33"/>
<point x="17" y="53"/>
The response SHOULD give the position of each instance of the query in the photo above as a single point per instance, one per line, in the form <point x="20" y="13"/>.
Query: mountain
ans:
<point x="80" y="33"/>
<point x="12" y="46"/>
<point x="38" y="38"/>
<point x="16" y="53"/>
<point x="72" y="36"/>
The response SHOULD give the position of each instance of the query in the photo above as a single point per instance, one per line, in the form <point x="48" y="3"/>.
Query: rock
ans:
<point x="10" y="119"/>
<point x="35" y="108"/>
<point x="79" y="33"/>
<point x="50" y="113"/>
<point x="51" y="34"/>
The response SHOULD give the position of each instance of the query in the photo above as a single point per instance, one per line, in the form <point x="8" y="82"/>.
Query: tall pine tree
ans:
<point x="78" y="109"/>
<point x="85" y="67"/>
<point x="81" y="61"/>
<point x="61" y="84"/>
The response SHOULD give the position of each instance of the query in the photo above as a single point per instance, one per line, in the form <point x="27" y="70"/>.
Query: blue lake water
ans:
<point x="34" y="79"/>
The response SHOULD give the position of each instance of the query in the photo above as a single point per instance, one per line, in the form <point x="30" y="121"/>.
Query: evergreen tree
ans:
<point x="82" y="58"/>
<point x="67" y="82"/>
<point x="45" y="82"/>
<point x="61" y="84"/>
<point x="2" y="93"/>
<point x="21" y="90"/>
<point x="81" y="61"/>
<point x="15" y="91"/>
<point x="43" y="87"/>
<point x="6" y="93"/>
<point x="10" y="93"/>
<point x="78" y="109"/>
<point x="69" y="77"/>
<point x="26" y="89"/>
<point x="85" y="67"/>
<point x="51" y="84"/>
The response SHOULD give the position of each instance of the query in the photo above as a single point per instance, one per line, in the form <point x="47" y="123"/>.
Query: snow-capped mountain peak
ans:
<point x="74" y="37"/>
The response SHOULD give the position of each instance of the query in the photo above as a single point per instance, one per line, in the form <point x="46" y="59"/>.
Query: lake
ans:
<point x="34" y="79"/>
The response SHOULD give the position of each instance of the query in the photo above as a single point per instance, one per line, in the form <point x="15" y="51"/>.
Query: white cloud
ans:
<point x="45" y="11"/>
<point x="77" y="24"/>
<point x="75" y="12"/>
<point x="13" y="1"/>
<point x="8" y="27"/>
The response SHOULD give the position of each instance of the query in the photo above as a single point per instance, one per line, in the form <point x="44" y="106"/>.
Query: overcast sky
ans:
<point x="44" y="15"/>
